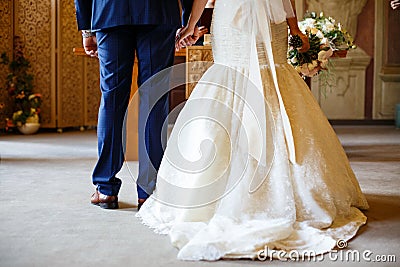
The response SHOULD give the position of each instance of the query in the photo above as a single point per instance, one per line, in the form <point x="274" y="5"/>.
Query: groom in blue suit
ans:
<point x="114" y="31"/>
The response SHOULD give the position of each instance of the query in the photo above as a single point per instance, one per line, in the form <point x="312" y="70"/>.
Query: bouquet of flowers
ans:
<point x="325" y="37"/>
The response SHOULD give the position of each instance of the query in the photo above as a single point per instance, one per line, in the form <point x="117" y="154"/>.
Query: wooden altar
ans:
<point x="198" y="59"/>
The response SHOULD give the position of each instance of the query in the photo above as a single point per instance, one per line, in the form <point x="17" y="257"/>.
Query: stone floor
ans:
<point x="46" y="218"/>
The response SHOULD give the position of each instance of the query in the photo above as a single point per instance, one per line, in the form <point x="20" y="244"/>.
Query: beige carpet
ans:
<point x="46" y="218"/>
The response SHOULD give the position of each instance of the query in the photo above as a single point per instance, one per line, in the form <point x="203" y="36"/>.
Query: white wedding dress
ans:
<point x="252" y="162"/>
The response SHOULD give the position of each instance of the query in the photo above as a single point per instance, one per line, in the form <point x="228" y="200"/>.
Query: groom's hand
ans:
<point x="90" y="46"/>
<point x="306" y="43"/>
<point x="181" y="37"/>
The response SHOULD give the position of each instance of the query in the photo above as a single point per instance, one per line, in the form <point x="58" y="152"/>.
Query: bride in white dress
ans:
<point x="252" y="162"/>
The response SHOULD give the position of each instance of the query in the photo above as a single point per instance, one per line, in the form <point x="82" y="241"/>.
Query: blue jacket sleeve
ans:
<point x="186" y="10"/>
<point x="83" y="14"/>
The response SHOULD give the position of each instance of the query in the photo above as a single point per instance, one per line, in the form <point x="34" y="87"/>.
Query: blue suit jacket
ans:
<point x="101" y="14"/>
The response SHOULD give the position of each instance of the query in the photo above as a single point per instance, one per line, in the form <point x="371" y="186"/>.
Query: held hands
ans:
<point x="186" y="36"/>
<point x="306" y="43"/>
<point x="294" y="30"/>
<point x="90" y="46"/>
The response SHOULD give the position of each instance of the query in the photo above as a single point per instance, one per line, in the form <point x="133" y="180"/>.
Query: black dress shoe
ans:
<point x="104" y="201"/>
<point x="140" y="203"/>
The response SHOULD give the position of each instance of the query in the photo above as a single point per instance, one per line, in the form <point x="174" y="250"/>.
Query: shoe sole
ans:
<point x="111" y="205"/>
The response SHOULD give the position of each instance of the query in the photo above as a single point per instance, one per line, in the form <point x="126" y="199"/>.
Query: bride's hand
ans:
<point x="90" y="46"/>
<point x="306" y="43"/>
<point x="198" y="32"/>
<point x="181" y="39"/>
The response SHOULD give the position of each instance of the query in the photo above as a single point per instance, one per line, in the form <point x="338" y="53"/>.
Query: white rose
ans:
<point x="329" y="27"/>
<point x="323" y="55"/>
<point x="302" y="29"/>
<point x="309" y="21"/>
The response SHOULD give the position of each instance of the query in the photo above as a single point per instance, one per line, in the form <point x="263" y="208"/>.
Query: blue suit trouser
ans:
<point x="154" y="47"/>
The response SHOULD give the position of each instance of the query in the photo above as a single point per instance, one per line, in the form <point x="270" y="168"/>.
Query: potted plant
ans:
<point x="19" y="84"/>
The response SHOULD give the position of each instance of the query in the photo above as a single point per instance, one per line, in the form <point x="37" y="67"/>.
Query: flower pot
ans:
<point x="29" y="128"/>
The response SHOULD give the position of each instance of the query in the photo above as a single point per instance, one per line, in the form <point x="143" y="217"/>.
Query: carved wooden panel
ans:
<point x="198" y="59"/>
<point x="70" y="81"/>
<point x="6" y="44"/>
<point x="34" y="24"/>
